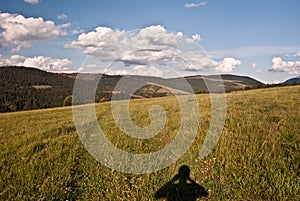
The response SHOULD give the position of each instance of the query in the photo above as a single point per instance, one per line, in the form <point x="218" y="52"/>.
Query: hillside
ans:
<point x="256" y="158"/>
<point x="25" y="88"/>
<point x="30" y="88"/>
<point x="295" y="80"/>
<point x="230" y="82"/>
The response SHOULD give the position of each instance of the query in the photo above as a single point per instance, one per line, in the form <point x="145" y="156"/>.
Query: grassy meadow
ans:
<point x="256" y="158"/>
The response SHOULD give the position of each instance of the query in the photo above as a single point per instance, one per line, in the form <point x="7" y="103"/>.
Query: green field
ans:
<point x="257" y="157"/>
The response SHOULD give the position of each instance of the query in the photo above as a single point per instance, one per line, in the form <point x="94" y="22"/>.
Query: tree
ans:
<point x="68" y="101"/>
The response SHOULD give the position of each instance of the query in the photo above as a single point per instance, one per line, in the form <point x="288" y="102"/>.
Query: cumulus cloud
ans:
<point x="20" y="32"/>
<point x="198" y="61"/>
<point x="104" y="42"/>
<point x="195" y="5"/>
<point x="32" y="1"/>
<point x="291" y="67"/>
<point x="297" y="54"/>
<point x="150" y="46"/>
<point x="41" y="62"/>
<point x="227" y="65"/>
<point x="109" y="44"/>
<point x="62" y="16"/>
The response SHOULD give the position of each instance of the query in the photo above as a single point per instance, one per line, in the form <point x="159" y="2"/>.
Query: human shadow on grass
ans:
<point x="181" y="187"/>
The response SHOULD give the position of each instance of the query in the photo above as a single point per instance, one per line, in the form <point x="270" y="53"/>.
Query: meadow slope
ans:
<point x="257" y="157"/>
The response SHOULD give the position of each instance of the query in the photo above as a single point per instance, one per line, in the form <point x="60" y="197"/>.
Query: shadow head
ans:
<point x="184" y="172"/>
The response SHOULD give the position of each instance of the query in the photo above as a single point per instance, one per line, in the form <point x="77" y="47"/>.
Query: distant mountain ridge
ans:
<point x="292" y="80"/>
<point x="24" y="88"/>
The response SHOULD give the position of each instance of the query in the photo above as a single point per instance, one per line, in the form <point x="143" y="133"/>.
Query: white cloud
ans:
<point x="32" y="1"/>
<point x="227" y="65"/>
<point x="77" y="30"/>
<point x="20" y="32"/>
<point x="291" y="67"/>
<point x="147" y="71"/>
<point x="297" y="54"/>
<point x="139" y="70"/>
<point x="150" y="46"/>
<point x="41" y="62"/>
<point x="158" y="37"/>
<point x="117" y="72"/>
<point x="62" y="16"/>
<point x="195" y="5"/>
<point x="193" y="60"/>
<point x="196" y="37"/>
<point x="104" y="42"/>
<point x="197" y="61"/>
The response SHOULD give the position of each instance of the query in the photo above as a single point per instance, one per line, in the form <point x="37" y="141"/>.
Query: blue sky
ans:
<point x="258" y="38"/>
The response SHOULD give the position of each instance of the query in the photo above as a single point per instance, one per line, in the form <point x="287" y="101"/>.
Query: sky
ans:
<point x="166" y="38"/>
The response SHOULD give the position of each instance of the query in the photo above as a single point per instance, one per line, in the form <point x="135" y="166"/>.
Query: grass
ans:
<point x="257" y="157"/>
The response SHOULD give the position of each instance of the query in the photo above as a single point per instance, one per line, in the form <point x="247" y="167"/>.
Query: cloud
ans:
<point x="77" y="30"/>
<point x="195" y="5"/>
<point x="140" y="70"/>
<point x="32" y="1"/>
<point x="198" y="61"/>
<point x="117" y="72"/>
<point x="254" y="66"/>
<point x="297" y="54"/>
<point x="20" y="32"/>
<point x="40" y="62"/>
<point x="227" y="65"/>
<point x="196" y="37"/>
<point x="150" y="46"/>
<point x="147" y="71"/>
<point x="291" y="67"/>
<point x="193" y="61"/>
<point x="104" y="42"/>
<point x="62" y="16"/>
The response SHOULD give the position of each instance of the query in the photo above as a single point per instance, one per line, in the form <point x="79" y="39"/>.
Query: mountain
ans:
<point x="295" y="80"/>
<point x="24" y="88"/>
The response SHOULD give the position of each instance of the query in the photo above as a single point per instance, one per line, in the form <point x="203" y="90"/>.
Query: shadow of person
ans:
<point x="181" y="187"/>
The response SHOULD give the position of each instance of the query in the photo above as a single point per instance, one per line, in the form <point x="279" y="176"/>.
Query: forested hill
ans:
<point x="24" y="88"/>
<point x="30" y="88"/>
